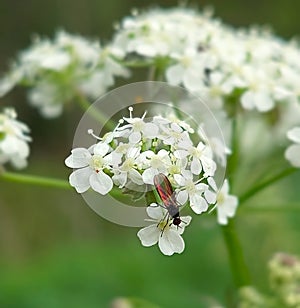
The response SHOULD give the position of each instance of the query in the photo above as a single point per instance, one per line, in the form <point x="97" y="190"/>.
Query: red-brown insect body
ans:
<point x="167" y="195"/>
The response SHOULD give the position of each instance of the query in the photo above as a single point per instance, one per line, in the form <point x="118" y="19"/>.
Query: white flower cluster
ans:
<point x="137" y="150"/>
<point x="13" y="139"/>
<point x="60" y="69"/>
<point x="212" y="59"/>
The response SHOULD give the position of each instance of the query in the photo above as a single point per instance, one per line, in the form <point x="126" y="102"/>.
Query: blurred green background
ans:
<point x="56" y="252"/>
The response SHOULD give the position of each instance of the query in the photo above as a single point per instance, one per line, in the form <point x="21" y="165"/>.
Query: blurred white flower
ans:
<point x="58" y="70"/>
<point x="226" y="204"/>
<point x="13" y="139"/>
<point x="292" y="153"/>
<point x="163" y="231"/>
<point x="190" y="69"/>
<point x="213" y="59"/>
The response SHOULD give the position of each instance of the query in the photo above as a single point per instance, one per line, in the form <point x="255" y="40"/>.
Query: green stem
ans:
<point x="234" y="157"/>
<point x="137" y="64"/>
<point x="96" y="113"/>
<point x="238" y="266"/>
<point x="259" y="187"/>
<point x="34" y="180"/>
<point x="290" y="207"/>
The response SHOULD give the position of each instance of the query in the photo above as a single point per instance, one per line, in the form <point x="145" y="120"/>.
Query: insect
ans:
<point x="167" y="195"/>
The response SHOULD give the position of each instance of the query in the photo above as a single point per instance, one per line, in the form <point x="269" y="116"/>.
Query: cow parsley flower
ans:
<point x="59" y="70"/>
<point x="157" y="163"/>
<point x="292" y="153"/>
<point x="137" y="127"/>
<point x="13" y="139"/>
<point x="198" y="194"/>
<point x="163" y="232"/>
<point x="210" y="58"/>
<point x="135" y="151"/>
<point x="91" y="164"/>
<point x="190" y="69"/>
<point x="201" y="157"/>
<point x="226" y="204"/>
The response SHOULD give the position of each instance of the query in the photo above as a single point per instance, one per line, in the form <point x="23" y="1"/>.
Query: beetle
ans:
<point x="167" y="195"/>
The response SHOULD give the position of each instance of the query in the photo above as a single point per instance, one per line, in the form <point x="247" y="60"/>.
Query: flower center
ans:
<point x="174" y="169"/>
<point x="190" y="186"/>
<point x="122" y="148"/>
<point x="138" y="125"/>
<point x="97" y="162"/>
<point x="163" y="225"/>
<point x="128" y="164"/>
<point x="195" y="152"/>
<point x="220" y="198"/>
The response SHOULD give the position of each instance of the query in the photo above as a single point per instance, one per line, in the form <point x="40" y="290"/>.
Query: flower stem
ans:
<point x="259" y="187"/>
<point x="234" y="157"/>
<point x="34" y="180"/>
<point x="238" y="266"/>
<point x="263" y="208"/>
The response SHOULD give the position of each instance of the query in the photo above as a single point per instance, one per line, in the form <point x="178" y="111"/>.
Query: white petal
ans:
<point x="187" y="175"/>
<point x="292" y="154"/>
<point x="225" y="187"/>
<point x="18" y="162"/>
<point x="198" y="204"/>
<point x="221" y="216"/>
<point x="80" y="179"/>
<point x="185" y="221"/>
<point x="209" y="166"/>
<point x="192" y="81"/>
<point x="163" y="153"/>
<point x="149" y="235"/>
<point x="247" y="100"/>
<point x="101" y="148"/>
<point x="263" y="101"/>
<point x="120" y="179"/>
<point x="230" y="205"/>
<point x="196" y="166"/>
<point x="294" y="134"/>
<point x="135" y="177"/>
<point x="174" y="74"/>
<point x="176" y="128"/>
<point x="212" y="183"/>
<point x="179" y="179"/>
<point x="148" y="175"/>
<point x="79" y="158"/>
<point x="156" y="212"/>
<point x="51" y="111"/>
<point x="101" y="182"/>
<point x="150" y="130"/>
<point x="135" y="137"/>
<point x="182" y="197"/>
<point x="181" y="154"/>
<point x="170" y="242"/>
<point x="210" y="196"/>
<point x="113" y="159"/>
